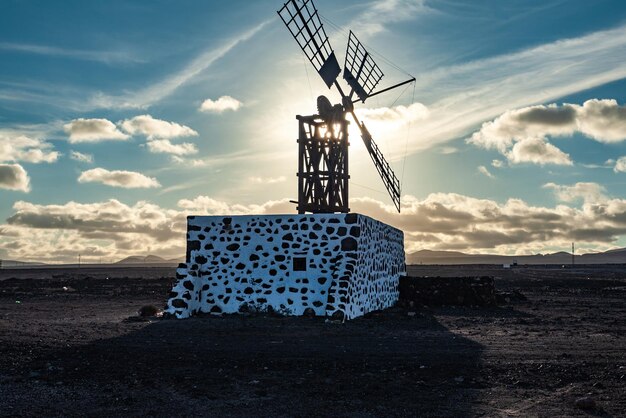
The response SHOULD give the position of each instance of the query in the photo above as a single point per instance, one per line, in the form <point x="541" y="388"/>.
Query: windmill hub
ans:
<point x="329" y="113"/>
<point x="331" y="262"/>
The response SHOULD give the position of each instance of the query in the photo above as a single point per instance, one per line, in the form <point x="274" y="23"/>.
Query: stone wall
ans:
<point x="339" y="265"/>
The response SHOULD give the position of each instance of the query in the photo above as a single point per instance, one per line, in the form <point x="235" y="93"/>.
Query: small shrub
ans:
<point x="148" y="311"/>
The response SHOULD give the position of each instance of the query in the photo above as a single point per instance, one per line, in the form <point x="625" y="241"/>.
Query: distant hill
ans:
<point x="15" y="263"/>
<point x="148" y="259"/>
<point x="617" y="256"/>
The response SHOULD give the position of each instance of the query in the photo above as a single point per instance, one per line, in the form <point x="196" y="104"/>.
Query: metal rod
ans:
<point x="387" y="89"/>
<point x="341" y="91"/>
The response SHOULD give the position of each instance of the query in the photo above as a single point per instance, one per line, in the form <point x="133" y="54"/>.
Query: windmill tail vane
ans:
<point x="323" y="162"/>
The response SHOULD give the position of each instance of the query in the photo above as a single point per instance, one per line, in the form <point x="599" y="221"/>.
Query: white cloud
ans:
<point x="588" y="192"/>
<point x="461" y="97"/>
<point x="189" y="162"/>
<point x="620" y="165"/>
<point x="398" y="114"/>
<point x="525" y="130"/>
<point x="110" y="230"/>
<point x="268" y="180"/>
<point x="209" y="206"/>
<point x="79" y="156"/>
<point x="117" y="178"/>
<point x="497" y="163"/>
<point x="602" y="120"/>
<point x="165" y="87"/>
<point x="483" y="170"/>
<point x="93" y="130"/>
<point x="535" y="122"/>
<point x="164" y="146"/>
<point x="23" y="148"/>
<point x="449" y="221"/>
<point x="14" y="177"/>
<point x="441" y="221"/>
<point x="537" y="151"/>
<point x="220" y="105"/>
<point x="198" y="163"/>
<point x="107" y="57"/>
<point x="155" y="128"/>
<point x="387" y="124"/>
<point x="448" y="150"/>
<point x="381" y="13"/>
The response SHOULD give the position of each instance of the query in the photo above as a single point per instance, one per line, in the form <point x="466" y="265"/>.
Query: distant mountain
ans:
<point x="148" y="259"/>
<point x="15" y="263"/>
<point x="617" y="256"/>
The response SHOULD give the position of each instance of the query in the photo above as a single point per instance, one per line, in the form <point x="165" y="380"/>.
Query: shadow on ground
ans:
<point x="386" y="364"/>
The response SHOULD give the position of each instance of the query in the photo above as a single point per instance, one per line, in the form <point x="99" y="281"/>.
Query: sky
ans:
<point x="119" y="119"/>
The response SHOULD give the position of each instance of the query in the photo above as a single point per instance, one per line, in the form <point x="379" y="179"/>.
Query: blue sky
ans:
<point x="112" y="131"/>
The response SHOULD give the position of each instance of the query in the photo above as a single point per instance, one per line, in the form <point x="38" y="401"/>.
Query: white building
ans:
<point x="338" y="265"/>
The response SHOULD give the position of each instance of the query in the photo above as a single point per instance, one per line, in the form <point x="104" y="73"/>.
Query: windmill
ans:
<point x="323" y="138"/>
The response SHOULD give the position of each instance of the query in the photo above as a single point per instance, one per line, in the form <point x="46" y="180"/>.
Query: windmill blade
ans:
<point x="304" y="23"/>
<point x="360" y="70"/>
<point x="389" y="178"/>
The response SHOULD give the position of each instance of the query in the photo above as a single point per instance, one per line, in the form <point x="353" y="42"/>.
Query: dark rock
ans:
<point x="337" y="316"/>
<point x="503" y="297"/>
<point x="309" y="313"/>
<point x="586" y="403"/>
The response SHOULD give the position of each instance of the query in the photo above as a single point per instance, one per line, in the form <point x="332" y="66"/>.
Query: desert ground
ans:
<point x="71" y="344"/>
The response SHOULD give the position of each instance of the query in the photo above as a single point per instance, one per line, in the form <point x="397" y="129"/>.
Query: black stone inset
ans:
<point x="299" y="264"/>
<point x="349" y="244"/>
<point x="351" y="218"/>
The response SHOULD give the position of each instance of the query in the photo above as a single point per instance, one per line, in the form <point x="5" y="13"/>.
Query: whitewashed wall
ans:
<point x="353" y="264"/>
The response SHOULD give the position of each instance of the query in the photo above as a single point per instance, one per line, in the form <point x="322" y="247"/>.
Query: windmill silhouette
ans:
<point x="323" y="138"/>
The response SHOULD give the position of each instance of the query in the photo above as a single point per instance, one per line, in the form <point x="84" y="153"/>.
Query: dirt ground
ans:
<point x="68" y="348"/>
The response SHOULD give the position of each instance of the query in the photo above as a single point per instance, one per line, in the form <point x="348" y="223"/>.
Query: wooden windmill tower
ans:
<point x="323" y="138"/>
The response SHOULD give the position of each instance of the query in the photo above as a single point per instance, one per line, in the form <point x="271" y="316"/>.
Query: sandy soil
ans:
<point x="68" y="347"/>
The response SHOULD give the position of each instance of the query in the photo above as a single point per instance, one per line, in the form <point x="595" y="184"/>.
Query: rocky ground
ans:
<point x="71" y="344"/>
